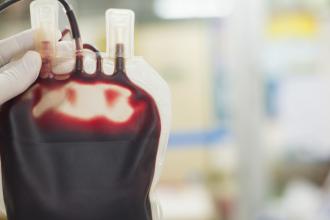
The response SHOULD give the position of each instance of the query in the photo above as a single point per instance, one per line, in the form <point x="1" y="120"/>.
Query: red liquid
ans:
<point x="57" y="166"/>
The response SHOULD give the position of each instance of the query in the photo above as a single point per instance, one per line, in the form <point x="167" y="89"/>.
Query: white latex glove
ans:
<point x="17" y="76"/>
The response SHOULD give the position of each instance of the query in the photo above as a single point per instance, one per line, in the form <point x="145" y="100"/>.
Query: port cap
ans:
<point x="44" y="20"/>
<point x="120" y="31"/>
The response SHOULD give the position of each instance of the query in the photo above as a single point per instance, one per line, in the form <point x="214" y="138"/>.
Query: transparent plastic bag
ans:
<point x="88" y="139"/>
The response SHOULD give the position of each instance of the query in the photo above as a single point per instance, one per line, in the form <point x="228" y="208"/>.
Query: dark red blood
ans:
<point x="37" y="95"/>
<point x="59" y="167"/>
<point x="72" y="96"/>
<point x="111" y="96"/>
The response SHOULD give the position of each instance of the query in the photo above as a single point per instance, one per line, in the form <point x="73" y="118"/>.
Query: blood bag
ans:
<point x="88" y="138"/>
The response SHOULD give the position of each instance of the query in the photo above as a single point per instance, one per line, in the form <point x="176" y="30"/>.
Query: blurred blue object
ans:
<point x="197" y="138"/>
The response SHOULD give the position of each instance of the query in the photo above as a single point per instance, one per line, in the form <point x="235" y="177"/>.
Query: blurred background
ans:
<point x="250" y="81"/>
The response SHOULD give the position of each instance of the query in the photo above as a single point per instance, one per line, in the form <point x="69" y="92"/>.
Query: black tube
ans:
<point x="98" y="56"/>
<point x="90" y="47"/>
<point x="65" y="5"/>
<point x="6" y="4"/>
<point x="74" y="25"/>
<point x="72" y="19"/>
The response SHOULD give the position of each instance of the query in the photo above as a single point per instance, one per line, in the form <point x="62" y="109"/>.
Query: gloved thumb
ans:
<point x="18" y="75"/>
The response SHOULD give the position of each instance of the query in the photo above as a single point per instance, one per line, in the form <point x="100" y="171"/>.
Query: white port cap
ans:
<point x="120" y="30"/>
<point x="44" y="20"/>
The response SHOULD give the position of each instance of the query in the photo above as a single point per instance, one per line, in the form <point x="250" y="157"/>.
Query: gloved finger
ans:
<point x="66" y="60"/>
<point x="18" y="44"/>
<point x="66" y="35"/>
<point x="17" y="76"/>
<point x="65" y="48"/>
<point x="14" y="45"/>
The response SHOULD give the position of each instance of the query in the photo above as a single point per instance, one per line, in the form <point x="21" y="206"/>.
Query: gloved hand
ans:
<point x="16" y="76"/>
